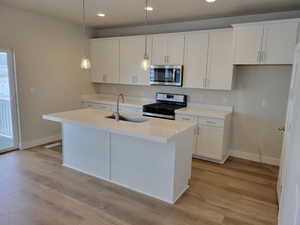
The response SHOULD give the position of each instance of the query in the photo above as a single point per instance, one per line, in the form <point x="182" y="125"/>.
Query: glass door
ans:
<point x="8" y="121"/>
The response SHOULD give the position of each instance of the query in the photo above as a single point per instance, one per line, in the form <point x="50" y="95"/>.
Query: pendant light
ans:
<point x="85" y="62"/>
<point x="146" y="60"/>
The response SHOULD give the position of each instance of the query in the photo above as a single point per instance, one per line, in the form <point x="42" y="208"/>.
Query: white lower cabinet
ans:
<point x="211" y="137"/>
<point x="187" y="118"/>
<point x="210" y="142"/>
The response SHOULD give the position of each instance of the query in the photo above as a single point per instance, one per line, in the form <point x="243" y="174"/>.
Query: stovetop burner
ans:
<point x="165" y="105"/>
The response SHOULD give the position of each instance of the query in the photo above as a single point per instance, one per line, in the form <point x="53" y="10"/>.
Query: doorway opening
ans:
<point x="8" y="106"/>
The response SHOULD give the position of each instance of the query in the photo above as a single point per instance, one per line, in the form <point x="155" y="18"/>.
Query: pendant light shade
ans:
<point x="146" y="60"/>
<point x="85" y="62"/>
<point x="146" y="63"/>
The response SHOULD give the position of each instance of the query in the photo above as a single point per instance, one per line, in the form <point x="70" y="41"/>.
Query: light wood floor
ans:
<point x="36" y="190"/>
<point x="5" y="143"/>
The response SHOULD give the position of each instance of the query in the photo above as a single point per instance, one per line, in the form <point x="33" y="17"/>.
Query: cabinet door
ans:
<point x="220" y="60"/>
<point x="210" y="142"/>
<point x="195" y="59"/>
<point x="175" y="49"/>
<point x="132" y="51"/>
<point x="248" y="43"/>
<point x="192" y="119"/>
<point x="159" y="50"/>
<point x="280" y="41"/>
<point x="105" y="60"/>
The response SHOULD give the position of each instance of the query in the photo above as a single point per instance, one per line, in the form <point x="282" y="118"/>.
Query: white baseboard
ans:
<point x="41" y="141"/>
<point x="255" y="157"/>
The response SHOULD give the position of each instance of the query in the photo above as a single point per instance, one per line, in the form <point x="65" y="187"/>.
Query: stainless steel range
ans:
<point x="165" y="105"/>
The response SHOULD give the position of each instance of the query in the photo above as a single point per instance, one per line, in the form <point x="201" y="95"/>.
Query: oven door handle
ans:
<point x="159" y="115"/>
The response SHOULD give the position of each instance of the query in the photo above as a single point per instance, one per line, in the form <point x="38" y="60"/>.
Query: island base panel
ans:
<point x="152" y="168"/>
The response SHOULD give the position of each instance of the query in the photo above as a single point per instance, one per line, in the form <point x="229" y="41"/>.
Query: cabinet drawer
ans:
<point x="185" y="118"/>
<point x="211" y="122"/>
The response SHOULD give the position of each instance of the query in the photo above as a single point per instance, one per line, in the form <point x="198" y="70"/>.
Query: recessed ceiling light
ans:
<point x="101" y="14"/>
<point x="149" y="8"/>
<point x="210" y="1"/>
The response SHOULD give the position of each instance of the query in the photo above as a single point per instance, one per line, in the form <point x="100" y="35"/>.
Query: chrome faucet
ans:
<point x="117" y="113"/>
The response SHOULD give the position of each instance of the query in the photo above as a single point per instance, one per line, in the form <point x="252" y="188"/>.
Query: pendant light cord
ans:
<point x="146" y="23"/>
<point x="84" y="26"/>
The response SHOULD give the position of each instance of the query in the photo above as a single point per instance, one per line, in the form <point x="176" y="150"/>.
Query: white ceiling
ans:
<point x="130" y="12"/>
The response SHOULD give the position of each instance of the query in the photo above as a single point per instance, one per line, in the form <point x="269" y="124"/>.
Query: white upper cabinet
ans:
<point x="248" y="42"/>
<point x="105" y="60"/>
<point x="279" y="44"/>
<point x="220" y="60"/>
<point x="132" y="51"/>
<point x="175" y="49"/>
<point x="208" y="59"/>
<point x="159" y="50"/>
<point x="195" y="59"/>
<point x="167" y="49"/>
<point x="271" y="42"/>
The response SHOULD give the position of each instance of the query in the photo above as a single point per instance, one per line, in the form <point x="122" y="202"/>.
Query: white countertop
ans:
<point x="153" y="129"/>
<point x="194" y="111"/>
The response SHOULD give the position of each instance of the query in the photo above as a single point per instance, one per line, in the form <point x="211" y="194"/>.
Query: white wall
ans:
<point x="259" y="98"/>
<point x="47" y="53"/>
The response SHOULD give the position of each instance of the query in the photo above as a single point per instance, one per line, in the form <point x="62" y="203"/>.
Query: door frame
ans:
<point x="287" y="157"/>
<point x="14" y="101"/>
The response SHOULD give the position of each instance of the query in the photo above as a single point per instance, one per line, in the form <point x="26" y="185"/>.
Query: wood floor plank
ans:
<point x="36" y="190"/>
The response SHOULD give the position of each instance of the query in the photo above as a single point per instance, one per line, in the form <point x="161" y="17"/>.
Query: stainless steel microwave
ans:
<point x="166" y="75"/>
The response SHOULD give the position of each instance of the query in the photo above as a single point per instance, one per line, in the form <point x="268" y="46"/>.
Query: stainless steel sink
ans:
<point x="128" y="119"/>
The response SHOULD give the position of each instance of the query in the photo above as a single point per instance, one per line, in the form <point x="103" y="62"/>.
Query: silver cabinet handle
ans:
<point x="207" y="82"/>
<point x="258" y="57"/>
<point x="263" y="56"/>
<point x="134" y="79"/>
<point x="104" y="78"/>
<point x="281" y="130"/>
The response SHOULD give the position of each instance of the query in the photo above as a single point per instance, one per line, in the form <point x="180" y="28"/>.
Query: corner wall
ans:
<point x="48" y="53"/>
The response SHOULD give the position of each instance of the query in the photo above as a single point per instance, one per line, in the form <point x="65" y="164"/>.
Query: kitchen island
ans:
<point x="151" y="156"/>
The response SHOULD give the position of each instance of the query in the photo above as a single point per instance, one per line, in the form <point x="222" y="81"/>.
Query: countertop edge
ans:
<point x="163" y="140"/>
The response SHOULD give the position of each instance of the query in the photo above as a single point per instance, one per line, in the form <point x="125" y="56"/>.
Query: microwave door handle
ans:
<point x="174" y="71"/>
